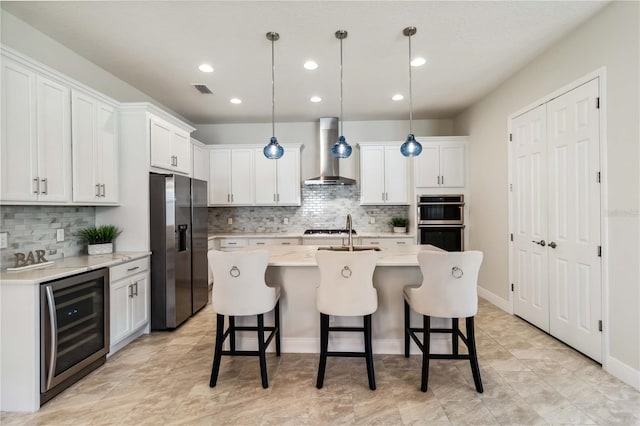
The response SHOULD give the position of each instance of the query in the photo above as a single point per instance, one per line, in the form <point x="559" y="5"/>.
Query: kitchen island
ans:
<point x="294" y="269"/>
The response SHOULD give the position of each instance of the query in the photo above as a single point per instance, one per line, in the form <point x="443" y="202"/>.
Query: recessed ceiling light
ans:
<point x="316" y="99"/>
<point x="310" y="65"/>
<point x="205" y="68"/>
<point x="418" y="62"/>
<point x="235" y="101"/>
<point x="397" y="97"/>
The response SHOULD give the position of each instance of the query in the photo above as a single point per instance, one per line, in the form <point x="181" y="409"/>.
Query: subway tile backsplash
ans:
<point x="33" y="228"/>
<point x="322" y="207"/>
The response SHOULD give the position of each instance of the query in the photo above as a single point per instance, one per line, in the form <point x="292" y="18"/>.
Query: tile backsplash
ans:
<point x="33" y="227"/>
<point x="322" y="207"/>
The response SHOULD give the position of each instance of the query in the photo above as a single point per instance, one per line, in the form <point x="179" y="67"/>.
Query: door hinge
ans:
<point x="510" y="137"/>
<point x="511" y="237"/>
<point x="512" y="287"/>
<point x="598" y="102"/>
<point x="599" y="251"/>
<point x="599" y="325"/>
<point x="510" y="187"/>
<point x="599" y="177"/>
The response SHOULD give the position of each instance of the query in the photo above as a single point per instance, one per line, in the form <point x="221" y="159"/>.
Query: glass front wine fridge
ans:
<point x="74" y="329"/>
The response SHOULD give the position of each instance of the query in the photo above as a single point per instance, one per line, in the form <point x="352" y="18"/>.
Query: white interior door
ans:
<point x="529" y="195"/>
<point x="574" y="219"/>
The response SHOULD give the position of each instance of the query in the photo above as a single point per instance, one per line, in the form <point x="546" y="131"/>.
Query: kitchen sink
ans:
<point x="344" y="248"/>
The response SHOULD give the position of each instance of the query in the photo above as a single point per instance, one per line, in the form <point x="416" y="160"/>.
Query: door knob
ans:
<point x="553" y="245"/>
<point x="540" y="243"/>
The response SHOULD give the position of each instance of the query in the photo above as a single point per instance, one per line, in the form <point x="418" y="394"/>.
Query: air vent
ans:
<point x="203" y="89"/>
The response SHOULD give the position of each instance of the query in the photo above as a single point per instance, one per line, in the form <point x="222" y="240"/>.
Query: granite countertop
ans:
<point x="306" y="255"/>
<point x="68" y="266"/>
<point x="301" y="235"/>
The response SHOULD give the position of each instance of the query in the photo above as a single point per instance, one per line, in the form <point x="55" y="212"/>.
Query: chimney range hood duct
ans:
<point x="329" y="169"/>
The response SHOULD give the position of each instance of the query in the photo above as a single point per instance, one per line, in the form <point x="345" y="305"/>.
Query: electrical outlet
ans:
<point x="372" y="220"/>
<point x="285" y="221"/>
<point x="229" y="221"/>
<point x="4" y="239"/>
<point x="60" y="235"/>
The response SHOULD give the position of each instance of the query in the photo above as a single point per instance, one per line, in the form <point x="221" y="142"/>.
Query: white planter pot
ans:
<point x="400" y="229"/>
<point x="100" y="248"/>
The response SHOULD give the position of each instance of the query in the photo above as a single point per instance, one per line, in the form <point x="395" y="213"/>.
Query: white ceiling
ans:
<point x="157" y="46"/>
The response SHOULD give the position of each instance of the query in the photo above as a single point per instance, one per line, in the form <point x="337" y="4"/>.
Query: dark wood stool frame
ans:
<point x="324" y="353"/>
<point x="469" y="340"/>
<point x="221" y="335"/>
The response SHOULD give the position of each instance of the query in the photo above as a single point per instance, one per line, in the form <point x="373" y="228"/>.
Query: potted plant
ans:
<point x="399" y="224"/>
<point x="100" y="239"/>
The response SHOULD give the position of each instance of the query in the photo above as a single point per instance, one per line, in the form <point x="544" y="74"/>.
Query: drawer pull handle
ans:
<point x="133" y="269"/>
<point x="286" y="243"/>
<point x="259" y="244"/>
<point x="401" y="242"/>
<point x="232" y="244"/>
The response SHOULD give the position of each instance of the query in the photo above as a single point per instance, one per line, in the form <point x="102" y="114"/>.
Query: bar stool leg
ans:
<point x="455" y="330"/>
<point x="276" y="313"/>
<point x="261" y="352"/>
<point x="232" y="333"/>
<point x="473" y="356"/>
<point x="217" y="355"/>
<point x="369" y="352"/>
<point x="426" y="324"/>
<point x="324" y="343"/>
<point x="407" y="329"/>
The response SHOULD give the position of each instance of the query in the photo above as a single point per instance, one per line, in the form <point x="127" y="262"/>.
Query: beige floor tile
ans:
<point x="163" y="378"/>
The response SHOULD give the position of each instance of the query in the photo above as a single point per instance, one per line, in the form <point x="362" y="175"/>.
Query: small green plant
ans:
<point x="100" y="235"/>
<point x="399" y="222"/>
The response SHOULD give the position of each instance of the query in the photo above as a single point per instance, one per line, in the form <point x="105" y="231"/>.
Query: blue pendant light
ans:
<point x="411" y="147"/>
<point x="341" y="149"/>
<point x="273" y="150"/>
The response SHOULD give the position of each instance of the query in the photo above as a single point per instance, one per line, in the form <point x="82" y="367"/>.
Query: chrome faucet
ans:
<point x="349" y="227"/>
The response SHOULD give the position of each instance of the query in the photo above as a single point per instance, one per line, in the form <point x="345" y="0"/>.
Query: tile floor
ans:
<point x="529" y="378"/>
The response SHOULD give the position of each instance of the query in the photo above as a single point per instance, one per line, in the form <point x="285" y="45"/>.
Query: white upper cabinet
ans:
<point x="35" y="149"/>
<point x="231" y="177"/>
<point x="94" y="133"/>
<point x="170" y="146"/>
<point x="200" y="160"/>
<point x="384" y="174"/>
<point x="442" y="163"/>
<point x="277" y="182"/>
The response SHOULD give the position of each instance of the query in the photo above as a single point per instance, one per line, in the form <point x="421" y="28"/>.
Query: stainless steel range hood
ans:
<point x="329" y="165"/>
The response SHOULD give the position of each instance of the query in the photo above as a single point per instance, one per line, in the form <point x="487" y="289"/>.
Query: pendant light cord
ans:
<point x="410" y="91"/>
<point x="273" y="90"/>
<point x="341" y="133"/>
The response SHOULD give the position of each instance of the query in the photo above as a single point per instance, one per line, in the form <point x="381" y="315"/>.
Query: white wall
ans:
<point x="307" y="133"/>
<point x="609" y="39"/>
<point x="37" y="45"/>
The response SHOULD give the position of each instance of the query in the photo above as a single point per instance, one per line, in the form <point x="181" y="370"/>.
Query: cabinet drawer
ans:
<point x="387" y="242"/>
<point x="233" y="242"/>
<point x="264" y="242"/>
<point x="126" y="269"/>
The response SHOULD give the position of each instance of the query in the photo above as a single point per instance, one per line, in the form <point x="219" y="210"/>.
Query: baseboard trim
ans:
<point x="494" y="299"/>
<point x="623" y="372"/>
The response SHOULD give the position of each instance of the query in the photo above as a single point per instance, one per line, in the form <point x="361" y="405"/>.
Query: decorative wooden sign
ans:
<point x="23" y="259"/>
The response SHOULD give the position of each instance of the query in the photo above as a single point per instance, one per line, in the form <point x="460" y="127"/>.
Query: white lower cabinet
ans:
<point x="266" y="242"/>
<point x="129" y="302"/>
<point x="385" y="242"/>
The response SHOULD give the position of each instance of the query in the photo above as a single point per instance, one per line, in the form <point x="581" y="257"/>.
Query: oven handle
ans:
<point x="54" y="335"/>
<point x="442" y="225"/>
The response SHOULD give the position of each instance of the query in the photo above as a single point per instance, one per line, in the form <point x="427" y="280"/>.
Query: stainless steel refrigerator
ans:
<point x="178" y="234"/>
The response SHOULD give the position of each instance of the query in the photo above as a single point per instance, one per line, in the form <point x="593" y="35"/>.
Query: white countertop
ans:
<point x="301" y="235"/>
<point x="306" y="255"/>
<point x="68" y="266"/>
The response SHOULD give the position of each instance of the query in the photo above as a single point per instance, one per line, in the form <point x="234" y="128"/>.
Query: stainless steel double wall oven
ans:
<point x="441" y="221"/>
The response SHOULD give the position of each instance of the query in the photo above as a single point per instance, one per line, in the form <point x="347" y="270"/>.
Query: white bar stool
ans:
<point x="346" y="289"/>
<point x="449" y="290"/>
<point x="239" y="289"/>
